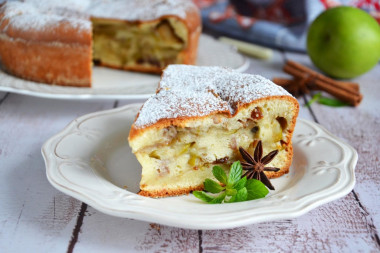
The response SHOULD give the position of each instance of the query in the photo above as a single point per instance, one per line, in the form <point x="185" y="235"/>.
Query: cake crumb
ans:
<point x="156" y="227"/>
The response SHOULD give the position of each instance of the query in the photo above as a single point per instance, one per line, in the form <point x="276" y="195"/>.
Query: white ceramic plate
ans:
<point x="117" y="84"/>
<point x="90" y="160"/>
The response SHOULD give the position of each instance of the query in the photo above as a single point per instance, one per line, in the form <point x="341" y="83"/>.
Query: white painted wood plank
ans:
<point x="33" y="215"/>
<point x="329" y="228"/>
<point x="359" y="127"/>
<point x="2" y="95"/>
<point x="104" y="233"/>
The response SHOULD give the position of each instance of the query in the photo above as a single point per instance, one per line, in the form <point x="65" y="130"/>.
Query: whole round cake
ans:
<point x="57" y="42"/>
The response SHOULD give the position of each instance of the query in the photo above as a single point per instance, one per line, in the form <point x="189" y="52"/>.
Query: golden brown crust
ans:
<point x="194" y="26"/>
<point x="285" y="168"/>
<point x="47" y="69"/>
<point x="170" y="192"/>
<point x="189" y="55"/>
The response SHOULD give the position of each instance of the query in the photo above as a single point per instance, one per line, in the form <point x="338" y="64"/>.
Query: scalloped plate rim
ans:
<point x="177" y="220"/>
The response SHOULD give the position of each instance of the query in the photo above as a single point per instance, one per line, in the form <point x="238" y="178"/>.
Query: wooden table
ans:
<point x="35" y="217"/>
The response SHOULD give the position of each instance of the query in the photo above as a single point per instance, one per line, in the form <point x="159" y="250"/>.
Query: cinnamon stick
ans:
<point x="290" y="85"/>
<point x="283" y="81"/>
<point x="349" y="86"/>
<point x="344" y="95"/>
<point x="345" y="91"/>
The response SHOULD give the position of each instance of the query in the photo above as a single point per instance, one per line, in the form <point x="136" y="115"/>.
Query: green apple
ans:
<point x="344" y="42"/>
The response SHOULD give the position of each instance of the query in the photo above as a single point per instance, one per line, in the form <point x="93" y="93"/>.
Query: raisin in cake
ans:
<point x="199" y="118"/>
<point x="56" y="42"/>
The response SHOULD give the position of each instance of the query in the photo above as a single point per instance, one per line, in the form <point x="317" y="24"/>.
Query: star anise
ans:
<point x="255" y="166"/>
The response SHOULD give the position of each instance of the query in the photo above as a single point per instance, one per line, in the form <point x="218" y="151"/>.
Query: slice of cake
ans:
<point x="199" y="118"/>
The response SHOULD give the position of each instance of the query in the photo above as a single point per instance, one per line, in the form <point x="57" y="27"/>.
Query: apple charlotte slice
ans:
<point x="199" y="118"/>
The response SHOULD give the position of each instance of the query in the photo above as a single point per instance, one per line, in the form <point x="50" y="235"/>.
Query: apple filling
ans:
<point x="132" y="44"/>
<point x="184" y="156"/>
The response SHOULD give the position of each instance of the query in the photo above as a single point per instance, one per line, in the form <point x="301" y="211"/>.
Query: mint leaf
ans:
<point x="331" y="102"/>
<point x="325" y="101"/>
<point x="231" y="191"/>
<point x="232" y="199"/>
<point x="256" y="189"/>
<point x="235" y="173"/>
<point x="220" y="174"/>
<point x="241" y="195"/>
<point x="240" y="184"/>
<point x="203" y="196"/>
<point x="219" y="199"/>
<point x="237" y="189"/>
<point x="313" y="99"/>
<point x="212" y="186"/>
<point x="209" y="199"/>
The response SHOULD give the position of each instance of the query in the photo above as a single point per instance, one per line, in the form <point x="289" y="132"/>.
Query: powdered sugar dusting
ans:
<point x="139" y="9"/>
<point x="42" y="15"/>
<point x="188" y="91"/>
<point x="45" y="14"/>
<point x="170" y="104"/>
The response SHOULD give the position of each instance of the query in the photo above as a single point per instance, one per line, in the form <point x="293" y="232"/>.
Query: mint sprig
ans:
<point x="333" y="102"/>
<point x="231" y="188"/>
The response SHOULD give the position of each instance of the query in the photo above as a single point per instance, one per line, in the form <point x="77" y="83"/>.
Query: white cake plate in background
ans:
<point x="117" y="84"/>
<point x="90" y="160"/>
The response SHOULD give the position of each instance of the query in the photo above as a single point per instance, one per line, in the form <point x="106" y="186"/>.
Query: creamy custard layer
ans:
<point x="184" y="156"/>
<point x="129" y="44"/>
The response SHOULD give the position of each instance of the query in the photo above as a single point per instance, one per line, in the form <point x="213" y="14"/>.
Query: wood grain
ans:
<point x="33" y="215"/>
<point x="329" y="228"/>
<point x="3" y="94"/>
<point x="36" y="217"/>
<point x="360" y="128"/>
<point x="102" y="232"/>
